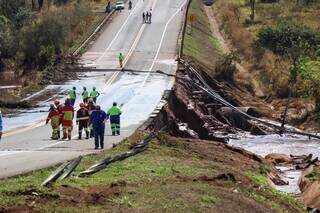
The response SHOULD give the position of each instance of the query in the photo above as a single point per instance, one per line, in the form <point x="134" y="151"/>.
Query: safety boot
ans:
<point x="64" y="136"/>
<point x="80" y="135"/>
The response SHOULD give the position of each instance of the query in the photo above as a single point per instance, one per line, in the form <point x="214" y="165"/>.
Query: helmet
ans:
<point x="90" y="100"/>
<point x="81" y="105"/>
<point x="56" y="102"/>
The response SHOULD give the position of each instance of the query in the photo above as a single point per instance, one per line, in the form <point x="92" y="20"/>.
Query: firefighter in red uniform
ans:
<point x="54" y="116"/>
<point x="67" y="119"/>
<point x="58" y="106"/>
<point x="83" y="120"/>
<point x="91" y="107"/>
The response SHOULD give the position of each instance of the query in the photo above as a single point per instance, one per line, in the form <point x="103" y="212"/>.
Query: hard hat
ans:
<point x="82" y="105"/>
<point x="56" y="102"/>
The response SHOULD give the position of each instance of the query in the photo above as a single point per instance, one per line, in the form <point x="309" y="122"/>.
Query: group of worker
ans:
<point x="146" y="17"/>
<point x="89" y="118"/>
<point x="94" y="94"/>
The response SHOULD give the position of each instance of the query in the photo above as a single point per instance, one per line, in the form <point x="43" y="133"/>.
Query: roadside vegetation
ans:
<point x="172" y="175"/>
<point x="37" y="36"/>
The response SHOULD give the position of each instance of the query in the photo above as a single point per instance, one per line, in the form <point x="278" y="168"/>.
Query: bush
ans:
<point x="310" y="74"/>
<point x="288" y="39"/>
<point x="42" y="41"/>
<point x="226" y="67"/>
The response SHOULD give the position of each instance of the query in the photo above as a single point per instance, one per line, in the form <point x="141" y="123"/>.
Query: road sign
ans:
<point x="192" y="18"/>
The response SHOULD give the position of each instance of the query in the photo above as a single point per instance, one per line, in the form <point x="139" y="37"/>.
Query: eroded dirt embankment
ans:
<point x="191" y="113"/>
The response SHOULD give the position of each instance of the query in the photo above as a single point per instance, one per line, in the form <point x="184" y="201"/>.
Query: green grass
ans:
<point x="164" y="178"/>
<point x="261" y="180"/>
<point x="200" y="45"/>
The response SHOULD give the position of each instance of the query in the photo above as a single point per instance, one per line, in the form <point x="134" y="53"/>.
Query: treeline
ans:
<point x="36" y="33"/>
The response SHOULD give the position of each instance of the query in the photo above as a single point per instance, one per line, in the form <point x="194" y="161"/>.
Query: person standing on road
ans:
<point x="72" y="95"/>
<point x="83" y="120"/>
<point x="130" y="5"/>
<point x="99" y="118"/>
<point x="147" y="17"/>
<point x="58" y="106"/>
<point x="67" y="119"/>
<point x="143" y="17"/>
<point x="121" y="58"/>
<point x="150" y="17"/>
<point x="1" y="125"/>
<point x="94" y="94"/>
<point x="91" y="107"/>
<point x="114" y="113"/>
<point x="85" y="95"/>
<point x="54" y="116"/>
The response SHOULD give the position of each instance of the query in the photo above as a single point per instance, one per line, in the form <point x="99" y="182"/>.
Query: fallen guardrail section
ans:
<point x="67" y="168"/>
<point x="140" y="147"/>
<point x="62" y="171"/>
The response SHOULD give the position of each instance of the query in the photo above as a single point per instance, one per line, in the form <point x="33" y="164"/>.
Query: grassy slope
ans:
<point x="172" y="175"/>
<point x="200" y="46"/>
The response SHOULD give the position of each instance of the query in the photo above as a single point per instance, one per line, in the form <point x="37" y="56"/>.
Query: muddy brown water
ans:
<point x="286" y="144"/>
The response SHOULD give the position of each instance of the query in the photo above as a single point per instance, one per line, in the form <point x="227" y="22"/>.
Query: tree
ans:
<point x="8" y="45"/>
<point x="293" y="42"/>
<point x="253" y="8"/>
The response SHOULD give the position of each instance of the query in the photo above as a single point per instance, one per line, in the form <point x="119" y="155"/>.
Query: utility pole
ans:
<point x="252" y="15"/>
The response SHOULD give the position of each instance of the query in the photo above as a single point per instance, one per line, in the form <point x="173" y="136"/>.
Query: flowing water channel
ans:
<point x="286" y="144"/>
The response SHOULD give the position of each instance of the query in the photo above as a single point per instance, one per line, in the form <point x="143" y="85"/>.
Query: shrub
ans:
<point x="289" y="40"/>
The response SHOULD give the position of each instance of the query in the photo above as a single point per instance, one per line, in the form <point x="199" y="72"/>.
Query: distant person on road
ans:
<point x="99" y="118"/>
<point x="72" y="95"/>
<point x="94" y="94"/>
<point x="85" y="95"/>
<point x="83" y="120"/>
<point x="143" y="17"/>
<point x="121" y="58"/>
<point x="130" y="5"/>
<point x="108" y="7"/>
<point x="150" y="17"/>
<point x="147" y="17"/>
<point x="114" y="114"/>
<point x="54" y="117"/>
<point x="1" y="125"/>
<point x="67" y="119"/>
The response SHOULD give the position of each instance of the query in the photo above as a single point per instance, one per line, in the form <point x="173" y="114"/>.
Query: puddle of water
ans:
<point x="292" y="176"/>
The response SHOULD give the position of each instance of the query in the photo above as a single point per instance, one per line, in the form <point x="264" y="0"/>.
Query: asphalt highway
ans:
<point x="147" y="47"/>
